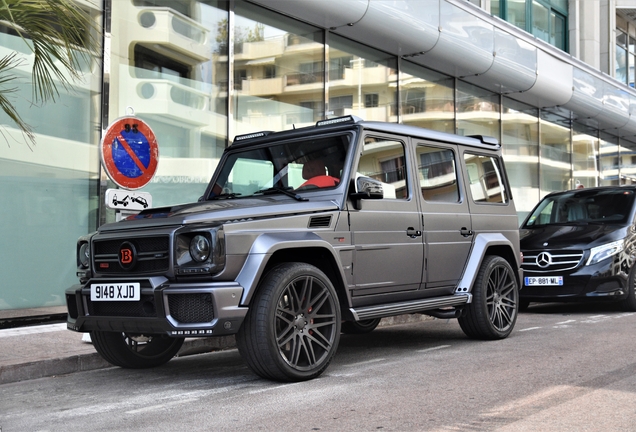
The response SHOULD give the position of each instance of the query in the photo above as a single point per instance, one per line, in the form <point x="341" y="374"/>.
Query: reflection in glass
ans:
<point x="357" y="75"/>
<point x="517" y="12"/>
<point x="278" y="72"/>
<point x="584" y="157"/>
<point x="608" y="154"/>
<point x="520" y="144"/>
<point x="540" y="21"/>
<point x="477" y="111"/>
<point x="627" y="167"/>
<point x="173" y="75"/>
<point x="427" y="98"/>
<point x="555" y="153"/>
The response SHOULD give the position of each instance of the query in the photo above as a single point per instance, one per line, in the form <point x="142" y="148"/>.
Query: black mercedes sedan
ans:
<point x="579" y="245"/>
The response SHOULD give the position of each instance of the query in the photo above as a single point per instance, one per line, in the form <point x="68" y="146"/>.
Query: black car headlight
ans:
<point x="599" y="253"/>
<point x="84" y="255"/>
<point x="200" y="248"/>
<point x="200" y="251"/>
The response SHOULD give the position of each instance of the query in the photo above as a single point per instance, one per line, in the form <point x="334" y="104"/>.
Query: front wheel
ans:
<point x="629" y="303"/>
<point x="493" y="311"/>
<point x="292" y="328"/>
<point x="135" y="351"/>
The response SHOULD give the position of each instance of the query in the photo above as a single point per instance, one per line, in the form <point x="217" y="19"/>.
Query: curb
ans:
<point x="93" y="361"/>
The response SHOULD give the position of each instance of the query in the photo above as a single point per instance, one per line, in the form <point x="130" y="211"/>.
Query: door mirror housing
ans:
<point x="366" y="188"/>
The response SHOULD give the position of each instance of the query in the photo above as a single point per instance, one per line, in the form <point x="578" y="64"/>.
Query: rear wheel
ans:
<point x="135" y="351"/>
<point x="493" y="311"/>
<point x="292" y="329"/>
<point x="360" y="327"/>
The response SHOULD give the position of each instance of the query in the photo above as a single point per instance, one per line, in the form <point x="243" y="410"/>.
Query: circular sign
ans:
<point x="130" y="153"/>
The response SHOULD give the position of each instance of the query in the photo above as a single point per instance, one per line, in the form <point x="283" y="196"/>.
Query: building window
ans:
<point x="371" y="100"/>
<point x="625" y="58"/>
<point x="545" y="19"/>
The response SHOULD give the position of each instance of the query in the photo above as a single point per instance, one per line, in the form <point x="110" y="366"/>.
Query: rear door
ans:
<point x="447" y="224"/>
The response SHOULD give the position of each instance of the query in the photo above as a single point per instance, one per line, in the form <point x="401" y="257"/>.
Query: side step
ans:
<point x="414" y="306"/>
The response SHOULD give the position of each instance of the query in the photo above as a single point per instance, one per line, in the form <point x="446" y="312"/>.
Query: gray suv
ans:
<point x="302" y="235"/>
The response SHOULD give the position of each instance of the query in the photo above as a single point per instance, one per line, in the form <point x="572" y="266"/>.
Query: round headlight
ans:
<point x="200" y="248"/>
<point x="84" y="255"/>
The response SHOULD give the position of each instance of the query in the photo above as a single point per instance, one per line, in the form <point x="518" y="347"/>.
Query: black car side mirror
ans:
<point x="366" y="188"/>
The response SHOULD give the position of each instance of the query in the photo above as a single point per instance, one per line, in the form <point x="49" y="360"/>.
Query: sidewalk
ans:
<point x="47" y="350"/>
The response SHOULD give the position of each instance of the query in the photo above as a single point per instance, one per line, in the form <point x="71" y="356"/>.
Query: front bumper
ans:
<point x="177" y="309"/>
<point x="607" y="279"/>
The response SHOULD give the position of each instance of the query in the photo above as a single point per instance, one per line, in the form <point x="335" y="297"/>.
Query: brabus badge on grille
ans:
<point x="127" y="255"/>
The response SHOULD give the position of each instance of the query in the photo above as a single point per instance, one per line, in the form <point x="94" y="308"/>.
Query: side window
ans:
<point x="484" y="176"/>
<point x="383" y="159"/>
<point x="437" y="174"/>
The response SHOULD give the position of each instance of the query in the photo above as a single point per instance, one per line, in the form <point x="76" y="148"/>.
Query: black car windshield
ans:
<point x="583" y="206"/>
<point x="310" y="163"/>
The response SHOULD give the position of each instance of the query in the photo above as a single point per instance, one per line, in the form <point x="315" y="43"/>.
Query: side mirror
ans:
<point x="366" y="188"/>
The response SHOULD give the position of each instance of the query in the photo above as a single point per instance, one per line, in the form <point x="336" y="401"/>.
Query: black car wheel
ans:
<point x="360" y="327"/>
<point x="292" y="329"/>
<point x="629" y="303"/>
<point x="135" y="351"/>
<point x="493" y="311"/>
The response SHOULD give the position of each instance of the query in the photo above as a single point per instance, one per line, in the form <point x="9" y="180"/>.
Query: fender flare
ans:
<point x="482" y="242"/>
<point x="266" y="245"/>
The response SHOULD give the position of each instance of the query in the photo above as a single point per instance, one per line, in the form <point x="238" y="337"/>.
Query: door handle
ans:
<point x="413" y="233"/>
<point x="465" y="232"/>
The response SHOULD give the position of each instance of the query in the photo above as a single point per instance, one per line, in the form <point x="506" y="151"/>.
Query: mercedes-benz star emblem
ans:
<point x="544" y="259"/>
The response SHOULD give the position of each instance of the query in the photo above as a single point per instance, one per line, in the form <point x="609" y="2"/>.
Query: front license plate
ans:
<point x="129" y="291"/>
<point x="544" y="281"/>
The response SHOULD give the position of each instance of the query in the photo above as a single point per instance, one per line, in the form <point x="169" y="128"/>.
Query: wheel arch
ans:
<point x="270" y="250"/>
<point x="489" y="244"/>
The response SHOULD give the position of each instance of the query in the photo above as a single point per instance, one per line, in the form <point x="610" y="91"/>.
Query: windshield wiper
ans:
<point x="225" y="195"/>
<point x="287" y="191"/>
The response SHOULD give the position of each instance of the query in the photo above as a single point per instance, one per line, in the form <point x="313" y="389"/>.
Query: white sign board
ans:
<point x="120" y="199"/>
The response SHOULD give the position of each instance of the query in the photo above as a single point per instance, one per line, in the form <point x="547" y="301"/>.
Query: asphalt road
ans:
<point x="564" y="368"/>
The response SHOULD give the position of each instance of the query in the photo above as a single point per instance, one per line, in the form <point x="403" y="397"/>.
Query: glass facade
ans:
<point x="201" y="72"/>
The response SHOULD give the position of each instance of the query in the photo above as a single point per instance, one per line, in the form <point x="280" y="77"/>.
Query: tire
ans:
<point x="493" y="311"/>
<point x="292" y="328"/>
<point x="135" y="351"/>
<point x="360" y="327"/>
<point x="629" y="302"/>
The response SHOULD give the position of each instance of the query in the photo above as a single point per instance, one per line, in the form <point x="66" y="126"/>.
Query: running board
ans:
<point x="401" y="308"/>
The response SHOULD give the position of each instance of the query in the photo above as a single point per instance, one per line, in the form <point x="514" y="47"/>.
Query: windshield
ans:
<point x="581" y="206"/>
<point x="300" y="165"/>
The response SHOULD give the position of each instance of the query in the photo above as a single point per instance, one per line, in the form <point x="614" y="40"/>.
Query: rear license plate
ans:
<point x="544" y="281"/>
<point x="129" y="291"/>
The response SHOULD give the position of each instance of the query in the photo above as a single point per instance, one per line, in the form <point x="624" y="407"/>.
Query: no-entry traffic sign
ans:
<point x="129" y="152"/>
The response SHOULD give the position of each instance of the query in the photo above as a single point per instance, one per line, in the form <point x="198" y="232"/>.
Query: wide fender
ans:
<point x="267" y="245"/>
<point x="481" y="245"/>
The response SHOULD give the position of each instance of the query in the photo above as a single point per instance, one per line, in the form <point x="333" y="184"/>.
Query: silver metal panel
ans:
<point x="553" y="85"/>
<point x="399" y="27"/>
<point x="466" y="44"/>
<point x="615" y="113"/>
<point x="629" y="130"/>
<point x="323" y="13"/>
<point x="587" y="95"/>
<point x="514" y="68"/>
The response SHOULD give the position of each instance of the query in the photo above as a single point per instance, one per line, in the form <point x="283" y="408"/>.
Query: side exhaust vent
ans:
<point x="320" y="222"/>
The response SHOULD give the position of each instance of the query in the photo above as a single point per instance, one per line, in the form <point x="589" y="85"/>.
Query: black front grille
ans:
<point x="152" y="255"/>
<point x="144" y="308"/>
<point x="551" y="261"/>
<point x="191" y="308"/>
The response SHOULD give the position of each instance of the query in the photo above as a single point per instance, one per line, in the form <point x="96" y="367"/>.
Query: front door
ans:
<point x="386" y="232"/>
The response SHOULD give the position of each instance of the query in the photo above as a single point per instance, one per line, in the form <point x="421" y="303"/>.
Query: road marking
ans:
<point x="530" y="328"/>
<point x="565" y="322"/>
<point x="161" y="406"/>
<point x="21" y="331"/>
<point x="434" y="348"/>
<point x="365" y="362"/>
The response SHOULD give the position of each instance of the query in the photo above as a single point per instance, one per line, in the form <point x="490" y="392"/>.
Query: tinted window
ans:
<point x="437" y="174"/>
<point x="383" y="159"/>
<point x="484" y="176"/>
<point x="587" y="206"/>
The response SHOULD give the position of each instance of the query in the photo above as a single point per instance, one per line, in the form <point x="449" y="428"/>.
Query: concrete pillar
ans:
<point x="587" y="31"/>
<point x="607" y="20"/>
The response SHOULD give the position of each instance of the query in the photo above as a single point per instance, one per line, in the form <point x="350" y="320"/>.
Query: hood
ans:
<point x="220" y="211"/>
<point x="582" y="236"/>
